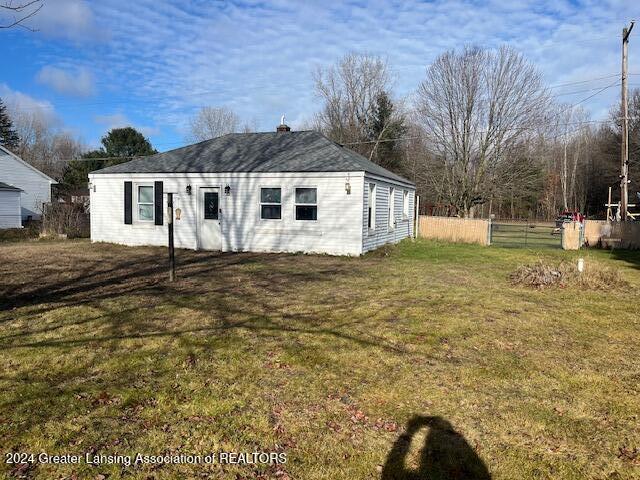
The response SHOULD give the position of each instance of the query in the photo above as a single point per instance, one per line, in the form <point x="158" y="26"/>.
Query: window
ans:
<point x="270" y="203"/>
<point x="371" y="213"/>
<point x="145" y="203"/>
<point x="405" y="204"/>
<point x="392" y="194"/>
<point x="211" y="205"/>
<point x="306" y="204"/>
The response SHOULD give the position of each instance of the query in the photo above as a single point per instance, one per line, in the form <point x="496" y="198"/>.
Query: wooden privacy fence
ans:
<point x="596" y="233"/>
<point x="612" y="235"/>
<point x="454" y="229"/>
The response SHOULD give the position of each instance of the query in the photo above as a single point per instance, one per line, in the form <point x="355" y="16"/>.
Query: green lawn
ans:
<point x="418" y="361"/>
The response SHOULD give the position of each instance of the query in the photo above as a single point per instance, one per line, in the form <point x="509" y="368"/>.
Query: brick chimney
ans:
<point x="283" y="128"/>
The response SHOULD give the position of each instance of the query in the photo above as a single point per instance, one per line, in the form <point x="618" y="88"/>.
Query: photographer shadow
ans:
<point x="446" y="455"/>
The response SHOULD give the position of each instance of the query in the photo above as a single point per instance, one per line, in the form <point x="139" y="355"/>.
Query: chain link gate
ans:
<point x="525" y="235"/>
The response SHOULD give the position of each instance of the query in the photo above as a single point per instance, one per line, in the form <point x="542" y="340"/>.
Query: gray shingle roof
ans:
<point x="6" y="186"/>
<point x="304" y="151"/>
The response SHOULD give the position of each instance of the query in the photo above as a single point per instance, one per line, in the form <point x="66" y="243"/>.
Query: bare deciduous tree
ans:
<point x="19" y="12"/>
<point x="476" y="106"/>
<point x="350" y="91"/>
<point x="212" y="122"/>
<point x="43" y="143"/>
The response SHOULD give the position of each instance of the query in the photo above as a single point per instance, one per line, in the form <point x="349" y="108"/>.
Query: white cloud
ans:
<point x="257" y="57"/>
<point x="78" y="82"/>
<point x="119" y="120"/>
<point x="18" y="102"/>
<point x="167" y="57"/>
<point x="70" y="19"/>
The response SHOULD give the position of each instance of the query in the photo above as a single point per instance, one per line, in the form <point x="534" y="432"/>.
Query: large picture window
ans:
<point x="306" y="203"/>
<point x="371" y="207"/>
<point x="145" y="203"/>
<point x="270" y="203"/>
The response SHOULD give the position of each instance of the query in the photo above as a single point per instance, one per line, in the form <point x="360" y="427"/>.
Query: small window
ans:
<point x="211" y="205"/>
<point x="371" y="213"/>
<point x="270" y="203"/>
<point x="405" y="204"/>
<point x="145" y="203"/>
<point x="306" y="204"/>
<point x="392" y="195"/>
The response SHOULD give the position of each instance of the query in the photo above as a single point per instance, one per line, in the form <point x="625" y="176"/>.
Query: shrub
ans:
<point x="68" y="219"/>
<point x="18" y="234"/>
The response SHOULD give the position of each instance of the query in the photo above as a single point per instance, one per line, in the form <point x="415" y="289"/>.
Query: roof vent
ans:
<point x="283" y="127"/>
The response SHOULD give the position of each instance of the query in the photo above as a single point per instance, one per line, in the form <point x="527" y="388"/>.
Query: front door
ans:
<point x="209" y="233"/>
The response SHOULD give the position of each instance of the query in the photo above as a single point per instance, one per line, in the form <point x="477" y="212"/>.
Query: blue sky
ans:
<point x="91" y="66"/>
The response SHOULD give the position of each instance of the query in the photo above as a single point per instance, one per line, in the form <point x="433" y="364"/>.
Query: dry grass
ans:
<point x="425" y="362"/>
<point x="565" y="274"/>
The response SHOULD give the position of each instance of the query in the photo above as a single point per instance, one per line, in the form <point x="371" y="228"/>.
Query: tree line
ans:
<point x="481" y="135"/>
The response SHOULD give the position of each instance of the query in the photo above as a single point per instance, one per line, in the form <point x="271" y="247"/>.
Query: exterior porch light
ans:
<point x="347" y="187"/>
<point x="227" y="190"/>
<point x="189" y="189"/>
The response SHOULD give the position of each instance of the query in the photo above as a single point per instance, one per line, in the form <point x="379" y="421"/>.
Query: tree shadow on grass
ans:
<point x="446" y="455"/>
<point x="87" y="308"/>
<point x="631" y="257"/>
<point x="244" y="290"/>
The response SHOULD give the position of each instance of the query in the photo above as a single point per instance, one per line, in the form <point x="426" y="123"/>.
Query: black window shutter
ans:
<point x="157" y="189"/>
<point x="128" y="190"/>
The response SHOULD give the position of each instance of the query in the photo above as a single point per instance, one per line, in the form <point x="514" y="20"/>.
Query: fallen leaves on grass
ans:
<point x="564" y="274"/>
<point x="628" y="454"/>
<point x="22" y="470"/>
<point x="105" y="399"/>
<point x="385" y="425"/>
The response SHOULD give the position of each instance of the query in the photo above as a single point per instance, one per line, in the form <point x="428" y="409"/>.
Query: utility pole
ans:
<point x="624" y="150"/>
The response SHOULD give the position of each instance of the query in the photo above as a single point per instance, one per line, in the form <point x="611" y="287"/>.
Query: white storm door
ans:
<point x="209" y="233"/>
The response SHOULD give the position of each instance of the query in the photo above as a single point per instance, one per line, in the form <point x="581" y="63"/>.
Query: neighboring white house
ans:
<point x="35" y="185"/>
<point x="266" y="192"/>
<point x="10" y="214"/>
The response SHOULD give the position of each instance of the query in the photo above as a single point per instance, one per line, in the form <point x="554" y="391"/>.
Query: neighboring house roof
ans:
<point x="6" y="186"/>
<point x="304" y="151"/>
<point x="16" y="157"/>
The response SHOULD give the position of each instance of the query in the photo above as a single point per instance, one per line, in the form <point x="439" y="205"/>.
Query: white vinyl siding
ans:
<point x="340" y="229"/>
<point x="373" y="239"/>
<point x="337" y="231"/>
<point x="10" y="212"/>
<point x="35" y="185"/>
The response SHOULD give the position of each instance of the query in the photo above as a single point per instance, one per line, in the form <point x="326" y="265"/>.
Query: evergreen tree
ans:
<point x="385" y="126"/>
<point x="8" y="136"/>
<point x="118" y="146"/>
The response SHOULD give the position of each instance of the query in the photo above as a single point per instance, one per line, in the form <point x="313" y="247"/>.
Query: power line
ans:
<point x="576" y="92"/>
<point x="583" y="81"/>
<point x="518" y="128"/>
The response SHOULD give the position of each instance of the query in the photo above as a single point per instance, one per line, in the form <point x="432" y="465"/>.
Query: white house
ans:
<point x="35" y="185"/>
<point x="10" y="212"/>
<point x="265" y="192"/>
